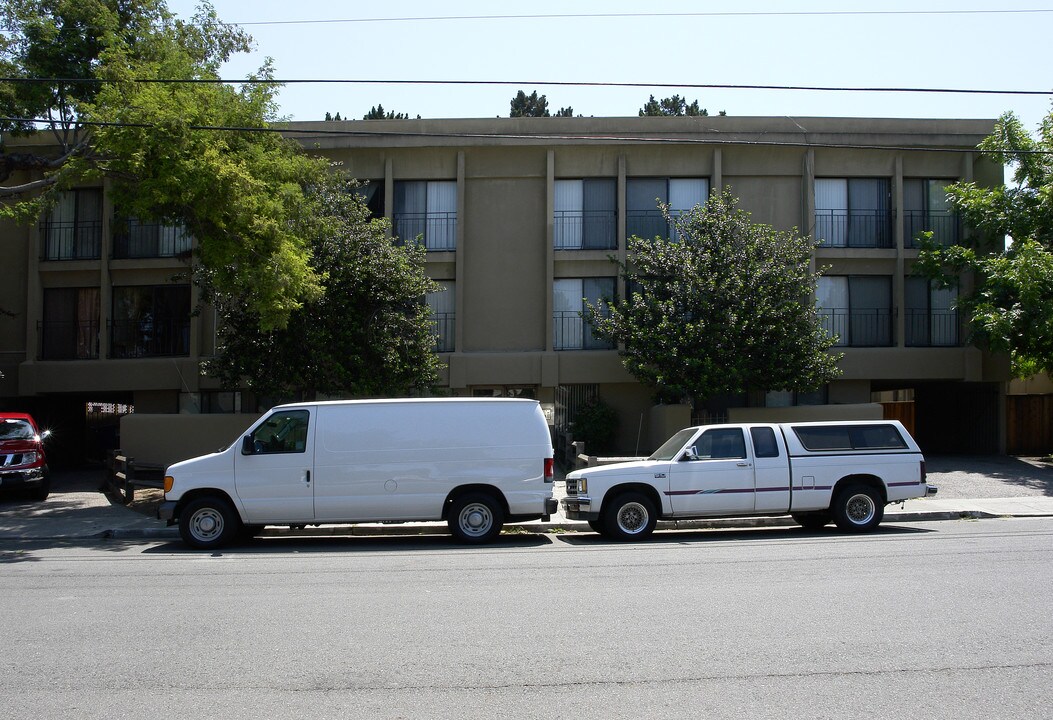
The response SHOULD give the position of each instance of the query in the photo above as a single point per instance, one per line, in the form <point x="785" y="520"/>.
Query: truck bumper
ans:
<point x="166" y="511"/>
<point x="579" y="508"/>
<point x="29" y="477"/>
<point x="931" y="490"/>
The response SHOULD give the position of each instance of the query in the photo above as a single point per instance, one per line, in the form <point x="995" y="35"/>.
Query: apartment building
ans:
<point x="520" y="217"/>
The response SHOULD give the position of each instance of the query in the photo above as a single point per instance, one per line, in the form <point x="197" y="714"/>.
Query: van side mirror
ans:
<point x="247" y="447"/>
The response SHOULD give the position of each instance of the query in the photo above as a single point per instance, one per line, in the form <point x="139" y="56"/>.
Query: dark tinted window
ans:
<point x="721" y="444"/>
<point x="764" y="445"/>
<point x="283" y="432"/>
<point x="850" y="437"/>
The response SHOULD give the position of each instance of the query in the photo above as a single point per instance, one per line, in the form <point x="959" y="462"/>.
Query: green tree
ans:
<point x="725" y="307"/>
<point x="675" y="106"/>
<point x="240" y="190"/>
<point x="368" y="334"/>
<point x="329" y="117"/>
<point x="532" y="105"/>
<point x="377" y="113"/>
<point x="1010" y="308"/>
<point x="565" y="112"/>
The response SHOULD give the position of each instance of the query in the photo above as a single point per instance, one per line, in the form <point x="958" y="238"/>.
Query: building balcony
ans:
<point x="871" y="327"/>
<point x="585" y="230"/>
<point x="572" y="332"/>
<point x="444" y="327"/>
<point x="71" y="240"/>
<point x="946" y="227"/>
<point x="435" y="231"/>
<point x="137" y="240"/>
<point x="854" y="228"/>
<point x="68" y="340"/>
<point x="147" y="337"/>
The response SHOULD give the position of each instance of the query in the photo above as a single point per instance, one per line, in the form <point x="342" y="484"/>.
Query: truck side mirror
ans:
<point x="690" y="454"/>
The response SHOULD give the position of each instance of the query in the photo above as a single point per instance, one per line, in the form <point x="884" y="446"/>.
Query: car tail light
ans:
<point x="549" y="469"/>
<point x="923" y="473"/>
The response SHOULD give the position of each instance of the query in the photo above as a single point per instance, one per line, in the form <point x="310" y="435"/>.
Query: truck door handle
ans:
<point x="744" y="464"/>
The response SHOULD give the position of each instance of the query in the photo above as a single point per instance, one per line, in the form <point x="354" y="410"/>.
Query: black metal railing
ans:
<point x="148" y="337"/>
<point x="137" y="240"/>
<point x="444" y="328"/>
<point x="71" y="240"/>
<point x="437" y="231"/>
<point x="647" y="224"/>
<point x="871" y="327"/>
<point x="854" y="228"/>
<point x="571" y="331"/>
<point x="945" y="226"/>
<point x="72" y="340"/>
<point x="585" y="230"/>
<point x="931" y="328"/>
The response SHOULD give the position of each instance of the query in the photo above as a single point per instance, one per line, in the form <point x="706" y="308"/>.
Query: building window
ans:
<point x="372" y="193"/>
<point x="790" y="398"/>
<point x="853" y="212"/>
<point x="136" y="239"/>
<point x="644" y="219"/>
<point x="931" y="319"/>
<point x="443" y="305"/>
<point x="150" y="321"/>
<point x="585" y="214"/>
<point x="926" y="208"/>
<point x="73" y="228"/>
<point x="856" y="309"/>
<point x="426" y="213"/>
<point x="570" y="329"/>
<point x="70" y="329"/>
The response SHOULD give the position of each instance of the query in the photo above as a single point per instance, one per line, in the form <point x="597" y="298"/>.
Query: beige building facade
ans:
<point x="520" y="218"/>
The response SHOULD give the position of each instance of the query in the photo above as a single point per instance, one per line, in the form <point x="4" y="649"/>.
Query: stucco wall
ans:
<point x="166" y="439"/>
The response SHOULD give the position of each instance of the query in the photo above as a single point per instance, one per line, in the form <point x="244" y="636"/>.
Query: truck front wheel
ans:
<point x="207" y="523"/>
<point x="858" y="508"/>
<point x="629" y="516"/>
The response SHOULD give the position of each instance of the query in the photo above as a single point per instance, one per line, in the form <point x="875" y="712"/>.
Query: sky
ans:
<point x="914" y="43"/>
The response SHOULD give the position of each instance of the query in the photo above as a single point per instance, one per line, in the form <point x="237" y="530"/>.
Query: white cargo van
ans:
<point x="475" y="463"/>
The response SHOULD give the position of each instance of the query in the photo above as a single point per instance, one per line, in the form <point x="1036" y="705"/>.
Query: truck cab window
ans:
<point x="764" y="445"/>
<point x="282" y="432"/>
<point x="721" y="444"/>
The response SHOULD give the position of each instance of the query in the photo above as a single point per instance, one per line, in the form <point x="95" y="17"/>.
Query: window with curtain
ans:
<point x="134" y="238"/>
<point x="443" y="306"/>
<point x="426" y="212"/>
<point x="570" y="329"/>
<point x="853" y="212"/>
<point x="857" y="309"/>
<point x="931" y="318"/>
<point x="73" y="228"/>
<point x="70" y="328"/>
<point x="585" y="215"/>
<point x="150" y="321"/>
<point x="644" y="195"/>
<point x="926" y="208"/>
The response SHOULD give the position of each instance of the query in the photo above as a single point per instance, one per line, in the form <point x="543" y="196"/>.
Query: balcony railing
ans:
<point x="438" y="229"/>
<point x="931" y="328"/>
<point x="444" y="327"/>
<point x="647" y="224"/>
<point x="136" y="240"/>
<point x="871" y="327"/>
<point x="147" y="337"/>
<point x="571" y="332"/>
<point x="585" y="230"/>
<point x="854" y="228"/>
<point x="68" y="340"/>
<point x="71" y="240"/>
<point x="946" y="227"/>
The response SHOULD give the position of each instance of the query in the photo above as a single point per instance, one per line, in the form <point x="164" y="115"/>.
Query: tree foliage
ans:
<point x="1010" y="308"/>
<point x="675" y="106"/>
<point x="532" y="105"/>
<point x="199" y="154"/>
<point x="377" y="113"/>
<point x="368" y="334"/>
<point x="723" y="308"/>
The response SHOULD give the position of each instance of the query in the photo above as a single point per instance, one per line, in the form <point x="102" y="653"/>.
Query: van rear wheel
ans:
<point x="207" y="523"/>
<point x="475" y="518"/>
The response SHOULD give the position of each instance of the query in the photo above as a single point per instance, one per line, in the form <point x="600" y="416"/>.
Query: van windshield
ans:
<point x="673" y="445"/>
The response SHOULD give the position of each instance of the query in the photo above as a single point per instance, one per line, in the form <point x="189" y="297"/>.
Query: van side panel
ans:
<point x="399" y="461"/>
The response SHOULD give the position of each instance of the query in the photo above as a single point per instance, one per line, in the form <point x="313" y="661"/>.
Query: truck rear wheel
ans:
<point x="858" y="508"/>
<point x="475" y="518"/>
<point x="207" y="523"/>
<point x="629" y="516"/>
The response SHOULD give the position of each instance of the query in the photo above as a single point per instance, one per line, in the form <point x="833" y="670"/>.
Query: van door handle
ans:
<point x="307" y="477"/>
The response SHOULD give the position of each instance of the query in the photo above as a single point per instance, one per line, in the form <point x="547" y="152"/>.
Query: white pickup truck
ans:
<point x="814" y="471"/>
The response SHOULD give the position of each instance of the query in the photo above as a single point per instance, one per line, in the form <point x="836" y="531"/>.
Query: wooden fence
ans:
<point x="1029" y="424"/>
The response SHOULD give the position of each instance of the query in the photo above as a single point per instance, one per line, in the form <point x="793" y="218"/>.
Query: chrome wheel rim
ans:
<point x="475" y="520"/>
<point x="632" y="518"/>
<point x="860" y="509"/>
<point x="206" y="524"/>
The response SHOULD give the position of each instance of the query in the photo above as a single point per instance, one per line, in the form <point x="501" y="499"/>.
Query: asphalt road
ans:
<point x="939" y="620"/>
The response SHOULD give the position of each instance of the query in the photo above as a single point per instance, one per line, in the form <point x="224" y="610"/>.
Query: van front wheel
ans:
<point x="475" y="518"/>
<point x="208" y="523"/>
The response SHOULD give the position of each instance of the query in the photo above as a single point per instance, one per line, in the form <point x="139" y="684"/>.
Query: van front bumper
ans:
<point x="166" y="511"/>
<point x="579" y="508"/>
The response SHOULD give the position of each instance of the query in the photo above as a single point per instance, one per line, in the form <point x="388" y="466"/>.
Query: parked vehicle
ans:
<point x="845" y="472"/>
<point x="475" y="463"/>
<point x="23" y="464"/>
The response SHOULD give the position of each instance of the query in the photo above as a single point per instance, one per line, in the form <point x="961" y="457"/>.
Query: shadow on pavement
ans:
<point x="983" y="475"/>
<point x="355" y="544"/>
<point x="669" y="537"/>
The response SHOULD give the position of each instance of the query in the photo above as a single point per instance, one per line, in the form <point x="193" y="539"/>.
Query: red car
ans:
<point x="22" y="461"/>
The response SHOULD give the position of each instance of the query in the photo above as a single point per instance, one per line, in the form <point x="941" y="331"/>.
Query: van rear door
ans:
<point x="274" y="468"/>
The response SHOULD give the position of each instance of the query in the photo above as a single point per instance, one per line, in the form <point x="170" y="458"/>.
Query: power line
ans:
<point x="636" y="15"/>
<point x="528" y="83"/>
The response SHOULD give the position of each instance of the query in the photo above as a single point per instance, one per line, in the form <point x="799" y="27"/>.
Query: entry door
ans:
<point x="275" y="481"/>
<point x="718" y="479"/>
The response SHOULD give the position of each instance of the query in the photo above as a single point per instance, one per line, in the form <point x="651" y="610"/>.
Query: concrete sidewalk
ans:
<point x="76" y="510"/>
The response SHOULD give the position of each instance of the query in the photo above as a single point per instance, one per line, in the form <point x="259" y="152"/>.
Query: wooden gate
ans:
<point x="1029" y="424"/>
